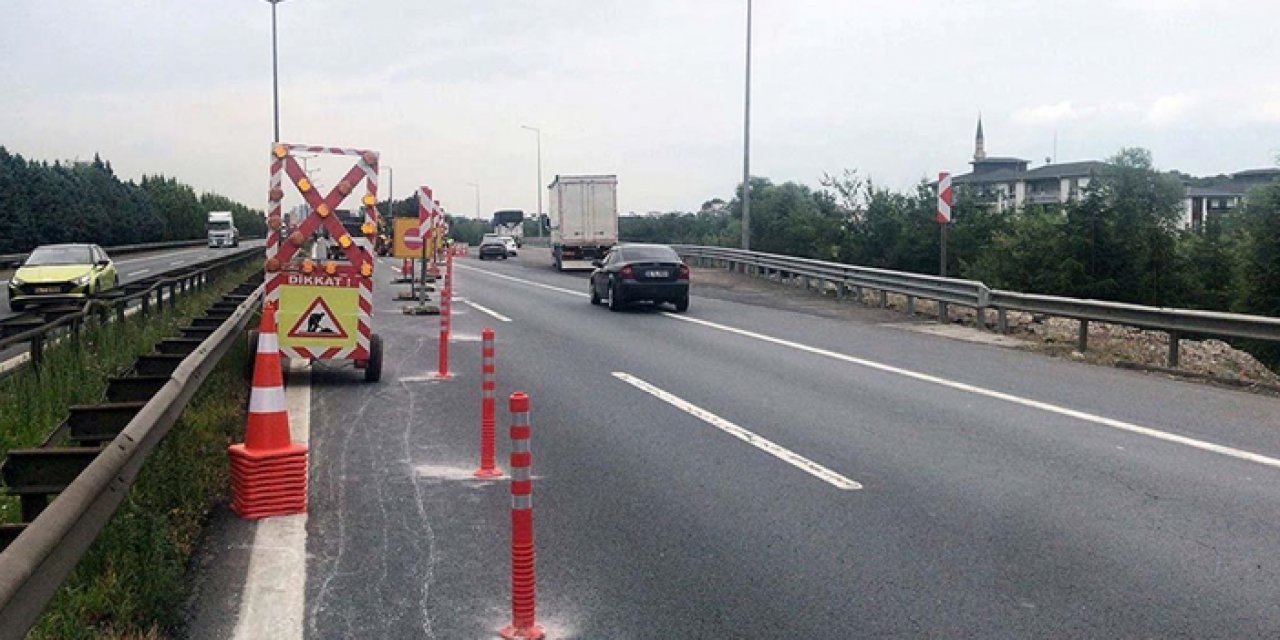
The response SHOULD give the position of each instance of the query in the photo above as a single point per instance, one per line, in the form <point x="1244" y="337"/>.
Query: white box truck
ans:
<point x="584" y="219"/>
<point x="222" y="230"/>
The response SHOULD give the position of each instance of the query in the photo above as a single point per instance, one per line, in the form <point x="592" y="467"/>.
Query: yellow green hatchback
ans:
<point x="61" y="272"/>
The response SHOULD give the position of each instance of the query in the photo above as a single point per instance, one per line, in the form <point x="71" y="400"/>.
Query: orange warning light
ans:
<point x="344" y="188"/>
<point x="296" y="238"/>
<point x="304" y="185"/>
<point x="366" y="270"/>
<point x="369" y="200"/>
<point x="330" y="267"/>
<point x="345" y="241"/>
<point x="272" y="265"/>
<point x="280" y="151"/>
<point x="275" y="195"/>
<point x="308" y="265"/>
<point x="368" y="228"/>
<point x="323" y="210"/>
<point x="274" y="223"/>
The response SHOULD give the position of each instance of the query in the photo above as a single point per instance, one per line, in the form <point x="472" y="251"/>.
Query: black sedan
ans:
<point x="492" y="248"/>
<point x="640" y="273"/>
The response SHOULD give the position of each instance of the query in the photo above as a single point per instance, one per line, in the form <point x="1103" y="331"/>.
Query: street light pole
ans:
<point x="539" y="132"/>
<point x="391" y="189"/>
<point x="477" y="188"/>
<point x="275" y="71"/>
<point x="746" y="145"/>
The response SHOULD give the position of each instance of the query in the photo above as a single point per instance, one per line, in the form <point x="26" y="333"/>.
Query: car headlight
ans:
<point x="82" y="280"/>
<point x="16" y="281"/>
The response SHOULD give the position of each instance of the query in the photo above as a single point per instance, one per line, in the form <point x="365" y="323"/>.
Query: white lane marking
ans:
<point x="997" y="395"/>
<point x="177" y="262"/>
<point x="959" y="386"/>
<point x="483" y="309"/>
<point x="782" y="453"/>
<point x="274" y="599"/>
<point x="140" y="272"/>
<point x="580" y="294"/>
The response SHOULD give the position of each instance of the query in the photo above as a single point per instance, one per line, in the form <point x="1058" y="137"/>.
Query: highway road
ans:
<point x="744" y="471"/>
<point x="135" y="266"/>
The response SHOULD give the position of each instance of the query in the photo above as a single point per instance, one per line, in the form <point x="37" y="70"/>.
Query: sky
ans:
<point x="650" y="90"/>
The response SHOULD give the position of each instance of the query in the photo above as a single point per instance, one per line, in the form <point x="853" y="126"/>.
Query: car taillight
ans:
<point x="627" y="273"/>
<point x="684" y="272"/>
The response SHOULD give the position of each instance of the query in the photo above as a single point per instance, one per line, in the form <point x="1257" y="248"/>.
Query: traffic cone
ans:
<point x="268" y="471"/>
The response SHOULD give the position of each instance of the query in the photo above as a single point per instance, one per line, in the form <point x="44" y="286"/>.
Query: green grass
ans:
<point x="130" y="584"/>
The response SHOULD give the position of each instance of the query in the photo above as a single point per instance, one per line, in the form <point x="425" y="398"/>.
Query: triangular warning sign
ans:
<point x="318" y="321"/>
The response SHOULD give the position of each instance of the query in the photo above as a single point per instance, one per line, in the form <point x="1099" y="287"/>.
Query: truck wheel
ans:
<point x="373" y="370"/>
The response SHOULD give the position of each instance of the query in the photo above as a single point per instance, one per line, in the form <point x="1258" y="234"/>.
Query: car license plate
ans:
<point x="48" y="289"/>
<point x="657" y="274"/>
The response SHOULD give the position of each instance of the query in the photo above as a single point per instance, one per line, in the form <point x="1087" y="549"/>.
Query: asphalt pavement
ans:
<point x="688" y="473"/>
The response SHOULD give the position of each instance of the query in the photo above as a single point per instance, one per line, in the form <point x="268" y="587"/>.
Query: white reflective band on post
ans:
<point x="519" y="419"/>
<point x="521" y="502"/>
<point x="520" y="445"/>
<point x="487" y="394"/>
<point x="266" y="400"/>
<point x="519" y="473"/>
<point x="267" y="343"/>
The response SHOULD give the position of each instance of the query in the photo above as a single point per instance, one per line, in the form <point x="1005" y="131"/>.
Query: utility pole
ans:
<point x="275" y="71"/>
<point x="539" y="132"/>
<point x="746" y="145"/>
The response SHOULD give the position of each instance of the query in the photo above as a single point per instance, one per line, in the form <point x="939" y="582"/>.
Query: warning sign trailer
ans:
<point x="324" y="305"/>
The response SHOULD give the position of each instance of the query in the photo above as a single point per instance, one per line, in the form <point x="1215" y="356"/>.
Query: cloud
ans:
<point x="1171" y="110"/>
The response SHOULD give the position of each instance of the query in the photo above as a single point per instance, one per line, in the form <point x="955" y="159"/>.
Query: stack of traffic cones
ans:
<point x="268" y="471"/>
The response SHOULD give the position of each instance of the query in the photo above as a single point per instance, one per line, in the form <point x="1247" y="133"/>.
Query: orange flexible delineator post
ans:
<point x="488" y="389"/>
<point x="446" y="307"/>
<point x="523" y="579"/>
<point x="268" y="471"/>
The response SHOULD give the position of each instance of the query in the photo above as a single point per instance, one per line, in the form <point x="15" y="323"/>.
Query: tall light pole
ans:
<point x="477" y="188"/>
<point x="539" y="132"/>
<point x="391" y="189"/>
<point x="746" y="145"/>
<point x="275" y="71"/>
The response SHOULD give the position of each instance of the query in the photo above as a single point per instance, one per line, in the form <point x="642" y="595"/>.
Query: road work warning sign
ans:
<point x="321" y="312"/>
<point x="318" y="321"/>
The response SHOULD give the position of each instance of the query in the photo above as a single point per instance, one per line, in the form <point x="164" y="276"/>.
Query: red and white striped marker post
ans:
<point x="523" y="591"/>
<point x="442" y="367"/>
<point x="488" y="389"/>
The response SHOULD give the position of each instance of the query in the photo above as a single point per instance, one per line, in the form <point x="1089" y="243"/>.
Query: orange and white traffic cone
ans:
<point x="268" y="471"/>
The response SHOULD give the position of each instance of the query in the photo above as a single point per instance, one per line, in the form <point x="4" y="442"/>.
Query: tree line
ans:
<point x="44" y="203"/>
<point x="1121" y="240"/>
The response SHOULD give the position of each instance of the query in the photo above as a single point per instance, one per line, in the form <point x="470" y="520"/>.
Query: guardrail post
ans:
<point x="146" y="303"/>
<point x="884" y="299"/>
<point x="857" y="292"/>
<point x="1174" y="339"/>
<point x="911" y="306"/>
<point x="37" y="351"/>
<point x="1002" y="320"/>
<point x="944" y="316"/>
<point x="119" y="305"/>
<point x="980" y="318"/>
<point x="1082" y="341"/>
<point x="840" y="290"/>
<point x="33" y="505"/>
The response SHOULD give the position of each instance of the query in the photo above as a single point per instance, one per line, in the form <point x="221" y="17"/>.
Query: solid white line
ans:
<point x="497" y="316"/>
<point x="571" y="292"/>
<point x="140" y="272"/>
<point x="782" y="453"/>
<point x="959" y="386"/>
<point x="997" y="395"/>
<point x="273" y="603"/>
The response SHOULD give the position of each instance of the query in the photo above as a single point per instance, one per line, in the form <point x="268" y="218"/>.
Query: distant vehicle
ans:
<point x="510" y="223"/>
<point x="60" y="273"/>
<point x="511" y="243"/>
<point x="222" y="230"/>
<point x="584" y="219"/>
<point x="492" y="247"/>
<point x="640" y="273"/>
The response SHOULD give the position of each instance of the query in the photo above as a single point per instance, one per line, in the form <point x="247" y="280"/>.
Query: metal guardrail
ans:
<point x="976" y="295"/>
<point x="175" y="281"/>
<point x="36" y="563"/>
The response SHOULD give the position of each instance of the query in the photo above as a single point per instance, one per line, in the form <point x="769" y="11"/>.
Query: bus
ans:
<point x="509" y="222"/>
